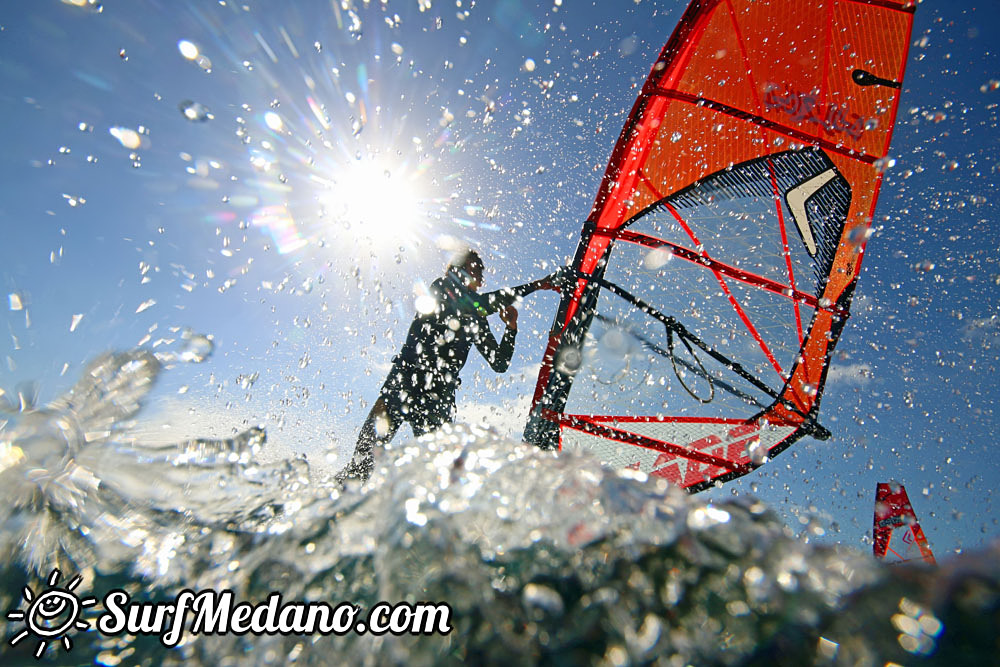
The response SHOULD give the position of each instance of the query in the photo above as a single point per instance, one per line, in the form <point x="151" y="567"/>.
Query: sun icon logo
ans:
<point x="51" y="614"/>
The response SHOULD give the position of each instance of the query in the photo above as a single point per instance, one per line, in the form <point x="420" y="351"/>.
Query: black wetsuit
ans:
<point x="425" y="374"/>
<point x="420" y="388"/>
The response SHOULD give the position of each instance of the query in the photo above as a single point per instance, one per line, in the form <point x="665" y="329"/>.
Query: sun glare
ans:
<point x="374" y="202"/>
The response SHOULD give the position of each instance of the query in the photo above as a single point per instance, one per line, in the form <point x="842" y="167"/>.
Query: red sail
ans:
<point x="715" y="271"/>
<point x="898" y="537"/>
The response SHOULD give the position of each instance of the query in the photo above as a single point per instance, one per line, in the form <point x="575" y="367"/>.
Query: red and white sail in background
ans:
<point x="898" y="536"/>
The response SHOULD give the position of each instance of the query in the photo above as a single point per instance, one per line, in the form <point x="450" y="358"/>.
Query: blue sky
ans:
<point x="426" y="124"/>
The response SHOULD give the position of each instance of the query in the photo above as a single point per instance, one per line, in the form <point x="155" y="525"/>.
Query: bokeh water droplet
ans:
<point x="195" y="347"/>
<point x="126" y="136"/>
<point x="194" y="111"/>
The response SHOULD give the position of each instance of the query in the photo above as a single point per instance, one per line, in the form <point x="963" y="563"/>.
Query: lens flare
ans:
<point x="379" y="205"/>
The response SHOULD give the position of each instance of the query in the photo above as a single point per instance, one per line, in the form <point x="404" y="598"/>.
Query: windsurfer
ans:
<point x="420" y="388"/>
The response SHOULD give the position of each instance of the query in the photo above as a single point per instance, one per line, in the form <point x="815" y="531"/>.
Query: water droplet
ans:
<point x="196" y="347"/>
<point x="188" y="49"/>
<point x="195" y="111"/>
<point x="273" y="121"/>
<point x="706" y="517"/>
<point x="884" y="163"/>
<point x="247" y="381"/>
<point x="859" y="235"/>
<point x="127" y="137"/>
<point x="569" y="361"/>
<point x="425" y="304"/>
<point x="656" y="258"/>
<point x="543" y="598"/>
<point x="91" y="5"/>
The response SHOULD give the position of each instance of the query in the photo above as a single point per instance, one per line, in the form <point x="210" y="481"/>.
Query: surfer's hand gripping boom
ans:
<point x="556" y="280"/>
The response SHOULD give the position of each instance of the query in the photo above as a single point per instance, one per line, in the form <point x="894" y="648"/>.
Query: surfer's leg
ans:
<point x="379" y="428"/>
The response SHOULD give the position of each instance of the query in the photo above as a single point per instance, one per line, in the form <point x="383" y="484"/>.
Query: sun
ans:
<point x="374" y="202"/>
<point x="52" y="613"/>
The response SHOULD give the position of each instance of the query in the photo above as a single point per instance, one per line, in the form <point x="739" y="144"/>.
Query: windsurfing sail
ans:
<point x="714" y="273"/>
<point x="897" y="533"/>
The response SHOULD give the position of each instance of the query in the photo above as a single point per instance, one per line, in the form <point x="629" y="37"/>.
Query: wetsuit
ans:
<point x="420" y="388"/>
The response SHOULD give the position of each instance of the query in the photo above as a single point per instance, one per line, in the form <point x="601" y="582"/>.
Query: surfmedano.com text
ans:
<point x="218" y="613"/>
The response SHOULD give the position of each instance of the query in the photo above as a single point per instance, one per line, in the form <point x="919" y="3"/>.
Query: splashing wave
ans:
<point x="543" y="557"/>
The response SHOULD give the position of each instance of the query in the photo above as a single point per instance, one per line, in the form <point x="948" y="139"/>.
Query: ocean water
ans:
<point x="544" y="558"/>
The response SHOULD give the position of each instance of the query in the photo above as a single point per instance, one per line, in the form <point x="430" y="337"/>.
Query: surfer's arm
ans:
<point x="492" y="302"/>
<point x="497" y="355"/>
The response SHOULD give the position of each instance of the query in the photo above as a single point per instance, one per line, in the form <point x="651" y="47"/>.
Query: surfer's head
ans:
<point x="468" y="265"/>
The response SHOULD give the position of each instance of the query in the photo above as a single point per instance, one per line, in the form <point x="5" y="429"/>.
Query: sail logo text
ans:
<point x="892" y="521"/>
<point x="687" y="472"/>
<point x="832" y="117"/>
